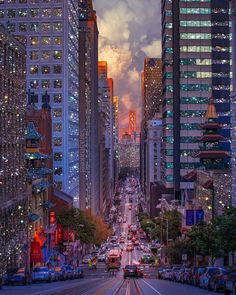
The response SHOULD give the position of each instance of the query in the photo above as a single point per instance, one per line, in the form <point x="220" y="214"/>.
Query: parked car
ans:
<point x="18" y="276"/>
<point x="196" y="277"/>
<point x="41" y="274"/>
<point x="179" y="275"/>
<point x="230" y="283"/>
<point x="166" y="275"/>
<point x="131" y="271"/>
<point x="60" y="273"/>
<point x="86" y="259"/>
<point x="79" y="273"/>
<point x="217" y="280"/>
<point x="185" y="276"/>
<point x="206" y="276"/>
<point x="175" y="273"/>
<point x="160" y="271"/>
<point x="69" y="272"/>
<point x="129" y="247"/>
<point x="54" y="276"/>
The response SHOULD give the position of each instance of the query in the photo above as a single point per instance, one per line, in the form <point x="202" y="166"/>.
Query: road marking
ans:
<point x="155" y="290"/>
<point x="128" y="288"/>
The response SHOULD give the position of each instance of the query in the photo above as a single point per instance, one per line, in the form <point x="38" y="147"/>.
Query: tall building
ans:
<point x="132" y="123"/>
<point x="196" y="66"/>
<point x="116" y="138"/>
<point x="49" y="29"/>
<point x="106" y="107"/>
<point x="14" y="197"/>
<point x="151" y="83"/>
<point x="88" y="107"/>
<point x="233" y="18"/>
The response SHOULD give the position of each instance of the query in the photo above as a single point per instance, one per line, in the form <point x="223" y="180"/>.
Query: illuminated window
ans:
<point x="34" y="69"/>
<point x="46" y="27"/>
<point x="34" y="41"/>
<point x="57" y="12"/>
<point x="57" y="156"/>
<point x="11" y="27"/>
<point x="34" y="84"/>
<point x="45" y="84"/>
<point x="57" y="127"/>
<point x="57" y="40"/>
<point x="57" y="69"/>
<point x="45" y="55"/>
<point x="46" y="12"/>
<point x="57" y="141"/>
<point x="34" y="13"/>
<point x="57" y="54"/>
<point x="57" y="84"/>
<point x="23" y="27"/>
<point x="58" y="171"/>
<point x="195" y="10"/>
<point x="34" y="27"/>
<point x="197" y="36"/>
<point x="57" y="113"/>
<point x="34" y="55"/>
<point x="11" y="13"/>
<point x="46" y="40"/>
<point x="22" y="12"/>
<point x="57" y="27"/>
<point x="34" y="1"/>
<point x="45" y="69"/>
<point x="57" y="98"/>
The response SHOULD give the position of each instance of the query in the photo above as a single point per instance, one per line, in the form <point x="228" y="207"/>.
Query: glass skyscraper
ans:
<point x="196" y="67"/>
<point x="49" y="29"/>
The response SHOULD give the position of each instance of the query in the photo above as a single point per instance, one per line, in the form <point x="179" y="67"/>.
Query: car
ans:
<point x="129" y="237"/>
<point x="41" y="274"/>
<point x="147" y="259"/>
<point x="124" y="220"/>
<point x="130" y="247"/>
<point x="18" y="276"/>
<point x="102" y="257"/>
<point x="79" y="273"/>
<point x="53" y="273"/>
<point x="179" y="275"/>
<point x="166" y="274"/>
<point x="131" y="271"/>
<point x="217" y="280"/>
<point x="122" y="240"/>
<point x="185" y="276"/>
<point x="230" y="283"/>
<point x="86" y="259"/>
<point x="175" y="273"/>
<point x="69" y="272"/>
<point x="205" y="277"/>
<point x="197" y="274"/>
<point x="136" y="243"/>
<point x="60" y="273"/>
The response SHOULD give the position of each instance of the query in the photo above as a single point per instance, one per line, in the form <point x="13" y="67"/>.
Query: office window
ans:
<point x="22" y="12"/>
<point x="57" y="12"/>
<point x="11" y="13"/>
<point x="34" y="27"/>
<point x="23" y="27"/>
<point x="57" y="83"/>
<point x="34" y="55"/>
<point x="57" y="27"/>
<point x="57" y="141"/>
<point x="46" y="27"/>
<point x="57" y="69"/>
<point x="57" y="98"/>
<point x="34" y="13"/>
<point x="45" y="55"/>
<point x="57" y="127"/>
<point x="45" y="84"/>
<point x="34" y="84"/>
<point x="46" y="40"/>
<point x="45" y="69"/>
<point x="57" y="40"/>
<point x="57" y="54"/>
<point x="34" y="69"/>
<point x="46" y="12"/>
<point x="57" y="112"/>
<point x="34" y="41"/>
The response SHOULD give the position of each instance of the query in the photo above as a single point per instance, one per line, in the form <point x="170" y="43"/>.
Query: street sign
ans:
<point x="189" y="217"/>
<point x="199" y="215"/>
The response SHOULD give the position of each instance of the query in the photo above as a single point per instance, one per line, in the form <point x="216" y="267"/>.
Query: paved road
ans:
<point x="100" y="282"/>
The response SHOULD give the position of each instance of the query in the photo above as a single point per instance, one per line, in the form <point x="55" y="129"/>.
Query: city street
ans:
<point x="100" y="282"/>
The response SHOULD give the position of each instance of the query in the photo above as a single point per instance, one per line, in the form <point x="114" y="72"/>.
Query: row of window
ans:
<point x="190" y="87"/>
<point x="183" y="139"/>
<point x="198" y="62"/>
<point x="34" y="13"/>
<point x="45" y="69"/>
<point x="185" y="126"/>
<point x="188" y="114"/>
<point x="36" y="41"/>
<point x="34" y="27"/>
<point x="45" y="84"/>
<point x="190" y="74"/>
<point x="29" y="1"/>
<point x="170" y="165"/>
<point x="45" y="55"/>
<point x="183" y="153"/>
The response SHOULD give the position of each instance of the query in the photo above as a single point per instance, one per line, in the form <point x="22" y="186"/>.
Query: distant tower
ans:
<point x="132" y="122"/>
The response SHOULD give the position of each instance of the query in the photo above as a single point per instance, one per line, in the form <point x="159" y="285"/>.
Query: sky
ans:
<point x="129" y="30"/>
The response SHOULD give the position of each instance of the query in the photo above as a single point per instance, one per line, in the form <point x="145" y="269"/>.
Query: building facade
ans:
<point x="88" y="108"/>
<point x="49" y="30"/>
<point x="14" y="197"/>
<point x="196" y="66"/>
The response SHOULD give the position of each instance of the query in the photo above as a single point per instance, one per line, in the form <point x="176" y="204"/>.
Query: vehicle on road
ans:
<point x="206" y="277"/>
<point x="230" y="283"/>
<point x="166" y="274"/>
<point x="217" y="280"/>
<point x="86" y="259"/>
<point x="129" y="247"/>
<point x="130" y="207"/>
<point x="18" y="276"/>
<point x="197" y="272"/>
<point x="140" y="270"/>
<point x="79" y="273"/>
<point x="113" y="259"/>
<point x="136" y="243"/>
<point x="147" y="259"/>
<point x="131" y="271"/>
<point x="41" y="274"/>
<point x="69" y="272"/>
<point x="102" y="257"/>
<point x="60" y="273"/>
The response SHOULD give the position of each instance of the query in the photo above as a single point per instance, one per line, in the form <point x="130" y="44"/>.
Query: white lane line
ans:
<point x="155" y="290"/>
<point x="128" y="289"/>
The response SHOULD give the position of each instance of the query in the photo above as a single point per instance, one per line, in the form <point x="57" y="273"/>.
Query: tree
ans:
<point x="176" y="249"/>
<point x="174" y="218"/>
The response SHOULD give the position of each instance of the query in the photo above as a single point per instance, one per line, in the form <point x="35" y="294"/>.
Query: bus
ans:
<point x="114" y="259"/>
